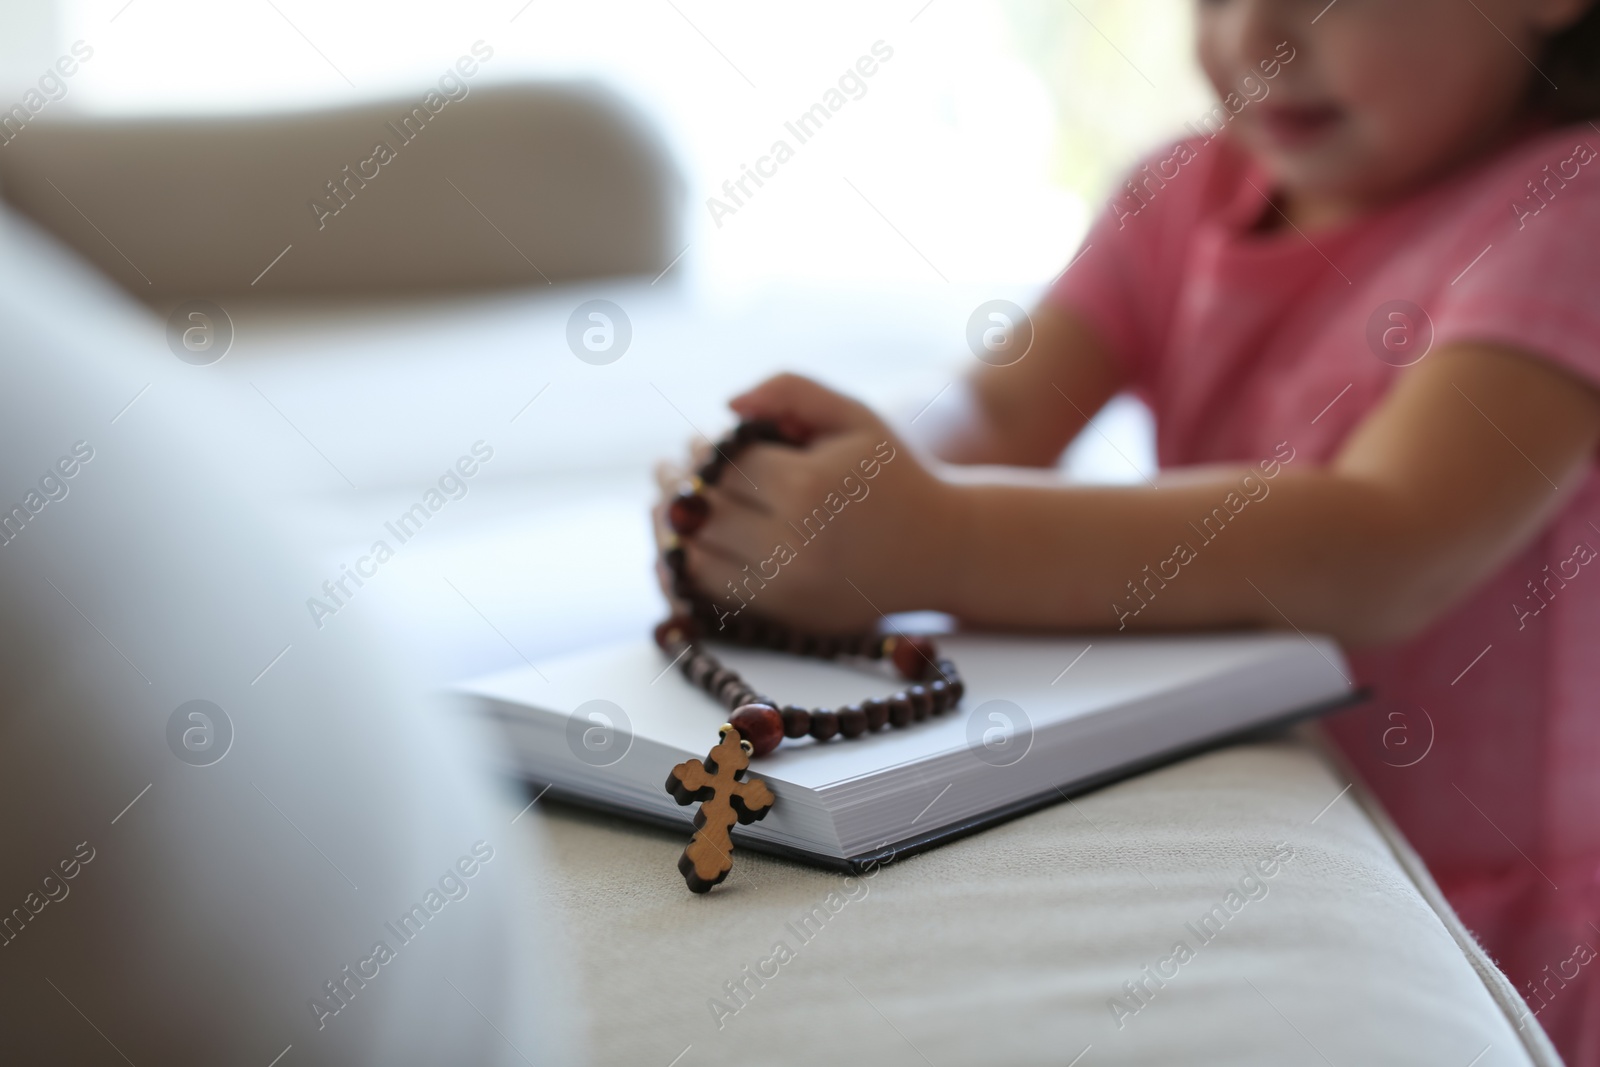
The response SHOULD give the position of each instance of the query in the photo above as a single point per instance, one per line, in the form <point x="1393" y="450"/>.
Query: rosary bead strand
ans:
<point x="935" y="686"/>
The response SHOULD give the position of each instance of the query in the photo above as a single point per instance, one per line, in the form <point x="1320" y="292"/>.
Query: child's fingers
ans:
<point x="669" y="477"/>
<point x="731" y="528"/>
<point x="805" y="403"/>
<point x="658" y="523"/>
<point x="699" y="451"/>
<point x="763" y="475"/>
<point x="733" y="491"/>
<point x="711" y="569"/>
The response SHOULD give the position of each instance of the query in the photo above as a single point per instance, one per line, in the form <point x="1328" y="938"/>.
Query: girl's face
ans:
<point x="1380" y="94"/>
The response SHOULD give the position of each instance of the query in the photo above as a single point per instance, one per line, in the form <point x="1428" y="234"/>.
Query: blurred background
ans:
<point x="967" y="171"/>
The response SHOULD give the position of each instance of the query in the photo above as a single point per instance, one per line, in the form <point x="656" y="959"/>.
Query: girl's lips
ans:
<point x="1295" y="125"/>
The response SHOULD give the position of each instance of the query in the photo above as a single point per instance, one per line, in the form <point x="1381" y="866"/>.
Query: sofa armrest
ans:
<point x="512" y="185"/>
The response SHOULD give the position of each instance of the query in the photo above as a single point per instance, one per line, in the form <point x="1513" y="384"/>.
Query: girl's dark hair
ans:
<point x="1571" y="59"/>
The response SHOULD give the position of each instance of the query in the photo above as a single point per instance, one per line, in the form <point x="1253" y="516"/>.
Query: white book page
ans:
<point x="1054" y="681"/>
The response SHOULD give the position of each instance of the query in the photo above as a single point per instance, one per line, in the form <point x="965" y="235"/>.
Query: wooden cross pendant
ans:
<point x="723" y="800"/>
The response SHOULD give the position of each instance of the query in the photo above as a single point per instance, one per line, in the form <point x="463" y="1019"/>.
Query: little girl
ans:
<point x="1363" y="303"/>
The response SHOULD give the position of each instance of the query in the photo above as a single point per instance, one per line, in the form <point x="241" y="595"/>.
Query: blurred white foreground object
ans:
<point x="230" y="836"/>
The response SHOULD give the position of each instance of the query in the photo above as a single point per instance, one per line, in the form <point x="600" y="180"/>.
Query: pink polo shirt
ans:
<point x="1484" y="739"/>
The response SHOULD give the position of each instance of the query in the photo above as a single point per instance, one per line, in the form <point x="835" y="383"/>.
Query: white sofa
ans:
<point x="1028" y="943"/>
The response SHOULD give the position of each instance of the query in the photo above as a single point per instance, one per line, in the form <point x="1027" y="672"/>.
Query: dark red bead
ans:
<point x="877" y="713"/>
<point x="913" y="657"/>
<point x="939" y="689"/>
<point x="675" y="631"/>
<point x="899" y="710"/>
<point x="759" y="724"/>
<point x="852" y="721"/>
<point x="796" y="721"/>
<point x="824" y="724"/>
<point x="921" y="702"/>
<point x="958" y="689"/>
<point x="687" y="513"/>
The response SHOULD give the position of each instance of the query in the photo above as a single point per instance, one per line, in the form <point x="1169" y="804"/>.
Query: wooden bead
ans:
<point x="700" y="667"/>
<point x="687" y="513"/>
<point x="717" y="679"/>
<point x="760" y="724"/>
<point x="913" y="657"/>
<point x="796" y="721"/>
<point x="899" y="710"/>
<point x="958" y="689"/>
<point x="675" y="560"/>
<point x="921" y="702"/>
<point x="939" y="689"/>
<point x="824" y="724"/>
<point x="877" y="713"/>
<point x="852" y="721"/>
<point x="730" y="690"/>
<point x="711" y="469"/>
<point x="770" y="430"/>
<point x="675" y="631"/>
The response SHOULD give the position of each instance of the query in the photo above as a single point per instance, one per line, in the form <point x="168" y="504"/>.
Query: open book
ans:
<point x="1042" y="718"/>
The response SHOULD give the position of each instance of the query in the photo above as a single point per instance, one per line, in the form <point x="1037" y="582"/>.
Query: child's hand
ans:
<point x="825" y="537"/>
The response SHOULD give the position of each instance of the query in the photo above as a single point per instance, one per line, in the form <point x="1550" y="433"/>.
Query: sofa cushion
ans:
<point x="1021" y="944"/>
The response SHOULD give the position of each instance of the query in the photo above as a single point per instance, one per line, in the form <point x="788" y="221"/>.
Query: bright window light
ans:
<point x="976" y="152"/>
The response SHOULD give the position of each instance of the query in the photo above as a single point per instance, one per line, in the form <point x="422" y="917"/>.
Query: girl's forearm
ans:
<point x="1467" y="458"/>
<point x="1307" y="549"/>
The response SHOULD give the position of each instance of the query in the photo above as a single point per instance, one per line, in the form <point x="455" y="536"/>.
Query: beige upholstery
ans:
<point x="1007" y="947"/>
<point x="507" y="186"/>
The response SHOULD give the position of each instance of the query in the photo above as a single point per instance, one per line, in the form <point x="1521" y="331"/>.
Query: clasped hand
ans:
<point x="827" y="536"/>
